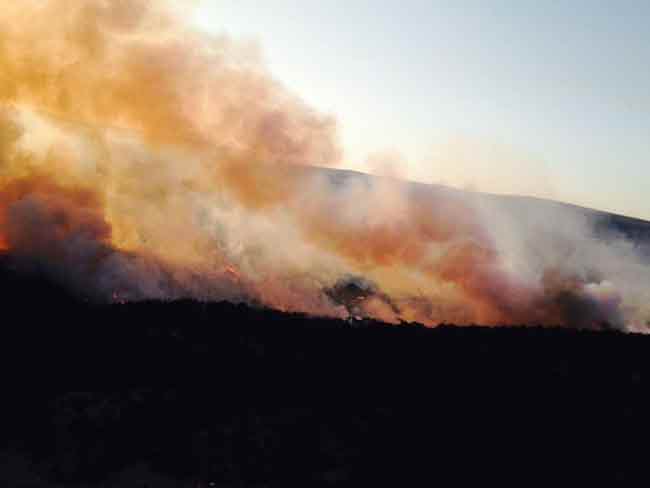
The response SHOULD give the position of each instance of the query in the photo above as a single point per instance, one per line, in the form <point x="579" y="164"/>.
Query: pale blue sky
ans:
<point x="537" y="97"/>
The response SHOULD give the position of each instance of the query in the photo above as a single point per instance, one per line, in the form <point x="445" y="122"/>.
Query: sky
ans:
<point x="547" y="99"/>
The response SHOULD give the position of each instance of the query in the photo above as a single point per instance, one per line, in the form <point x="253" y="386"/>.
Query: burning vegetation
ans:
<point x="140" y="159"/>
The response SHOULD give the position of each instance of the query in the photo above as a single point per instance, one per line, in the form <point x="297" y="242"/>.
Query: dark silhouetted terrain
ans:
<point x="180" y="394"/>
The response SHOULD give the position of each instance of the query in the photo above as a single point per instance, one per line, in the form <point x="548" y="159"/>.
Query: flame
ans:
<point x="231" y="270"/>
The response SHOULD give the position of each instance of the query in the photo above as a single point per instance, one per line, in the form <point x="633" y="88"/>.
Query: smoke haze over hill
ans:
<point x="141" y="159"/>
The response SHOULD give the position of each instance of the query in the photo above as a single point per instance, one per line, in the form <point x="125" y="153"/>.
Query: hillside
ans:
<point x="185" y="393"/>
<point x="517" y="206"/>
<point x="178" y="394"/>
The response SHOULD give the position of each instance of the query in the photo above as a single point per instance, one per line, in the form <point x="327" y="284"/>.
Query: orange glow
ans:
<point x="149" y="161"/>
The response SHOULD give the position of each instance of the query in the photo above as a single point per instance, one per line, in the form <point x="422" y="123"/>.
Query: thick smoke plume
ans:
<point x="141" y="159"/>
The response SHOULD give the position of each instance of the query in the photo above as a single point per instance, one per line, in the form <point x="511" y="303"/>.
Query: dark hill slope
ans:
<point x="520" y="207"/>
<point x="195" y="393"/>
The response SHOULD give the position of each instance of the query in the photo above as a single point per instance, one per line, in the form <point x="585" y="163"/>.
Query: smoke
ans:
<point x="141" y="159"/>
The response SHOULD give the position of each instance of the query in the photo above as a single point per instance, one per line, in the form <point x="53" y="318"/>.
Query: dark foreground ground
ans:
<point x="185" y="394"/>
